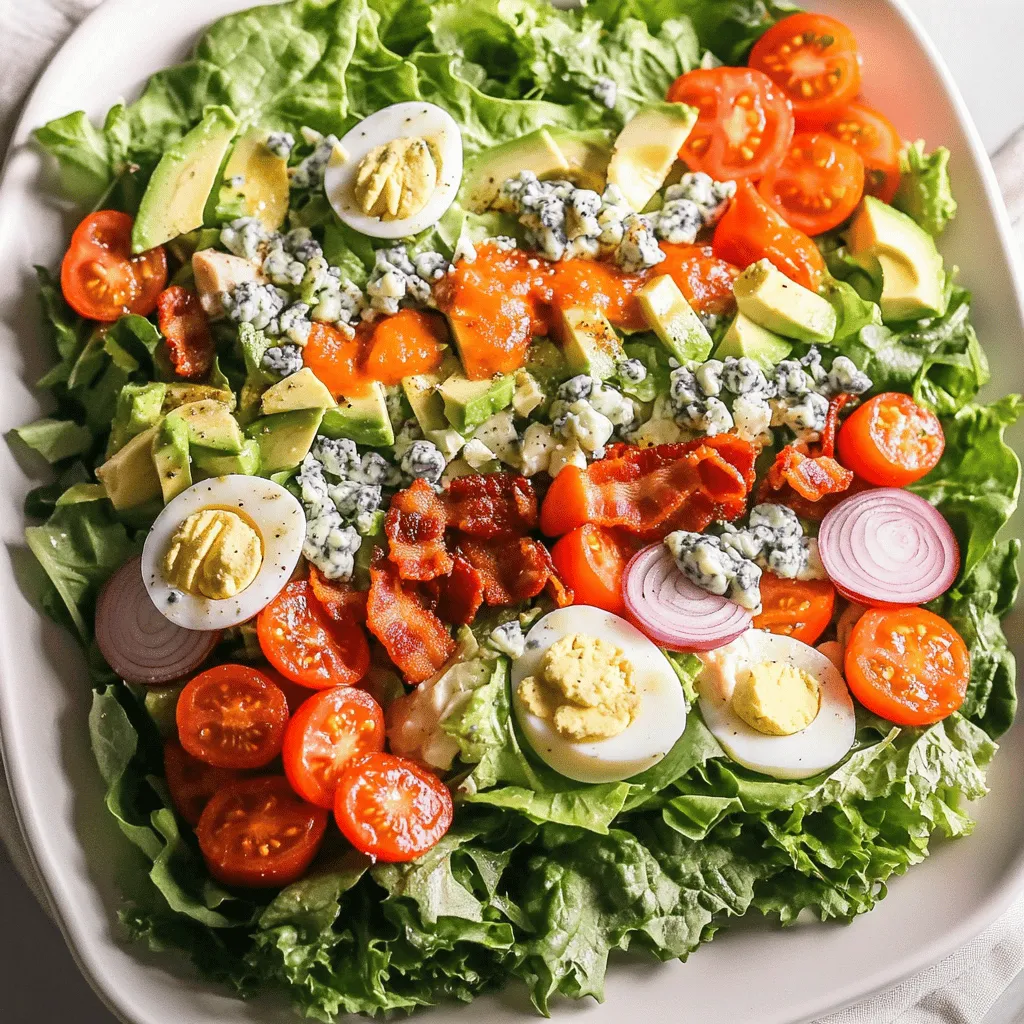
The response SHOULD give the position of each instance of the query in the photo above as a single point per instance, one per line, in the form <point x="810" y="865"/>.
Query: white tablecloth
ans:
<point x="961" y="989"/>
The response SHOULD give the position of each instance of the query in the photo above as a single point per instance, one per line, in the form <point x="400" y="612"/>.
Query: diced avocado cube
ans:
<point x="745" y="338"/>
<point x="284" y="438"/>
<point x="178" y="395"/>
<point x="673" y="320"/>
<point x="139" y="407"/>
<point x="130" y="477"/>
<point x="170" y="451"/>
<point x="468" y="403"/>
<point x="769" y="298"/>
<point x="448" y="441"/>
<point x="546" y="361"/>
<point x="528" y="394"/>
<point x="254" y="183"/>
<point x="215" y="463"/>
<point x="421" y="393"/>
<point x="590" y="343"/>
<point x="485" y="174"/>
<point x="302" y="390"/>
<point x="210" y="424"/>
<point x="363" y="419"/>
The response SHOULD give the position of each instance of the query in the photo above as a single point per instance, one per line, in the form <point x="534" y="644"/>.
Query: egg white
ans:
<point x="824" y="743"/>
<point x="399" y="121"/>
<point x="275" y="513"/>
<point x="651" y="735"/>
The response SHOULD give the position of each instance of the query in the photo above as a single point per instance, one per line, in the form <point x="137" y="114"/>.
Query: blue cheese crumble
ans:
<point x="423" y="460"/>
<point x="707" y="563"/>
<point x="284" y="360"/>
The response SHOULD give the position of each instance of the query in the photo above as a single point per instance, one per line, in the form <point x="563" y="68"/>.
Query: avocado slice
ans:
<point x="587" y="153"/>
<point x="421" y="393"/>
<point x="129" y="477"/>
<point x="170" y="451"/>
<point x="468" y="403"/>
<point x="363" y="419"/>
<point x="673" y="320"/>
<point x="284" y="438"/>
<point x="175" y="199"/>
<point x="745" y="338"/>
<point x="881" y="238"/>
<point x="647" y="148"/>
<point x="178" y="395"/>
<point x="302" y="390"/>
<point x="776" y="302"/>
<point x="484" y="175"/>
<point x="210" y="424"/>
<point x="254" y="183"/>
<point x="546" y="361"/>
<point x="215" y="463"/>
<point x="139" y="407"/>
<point x="590" y="343"/>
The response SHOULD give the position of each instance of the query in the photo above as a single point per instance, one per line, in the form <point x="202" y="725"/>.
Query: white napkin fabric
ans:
<point x="959" y="990"/>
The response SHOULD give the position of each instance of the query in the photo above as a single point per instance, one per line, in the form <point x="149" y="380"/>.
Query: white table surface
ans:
<point x="983" y="42"/>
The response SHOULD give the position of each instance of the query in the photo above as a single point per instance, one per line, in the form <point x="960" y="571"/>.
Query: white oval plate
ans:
<point x="785" y="976"/>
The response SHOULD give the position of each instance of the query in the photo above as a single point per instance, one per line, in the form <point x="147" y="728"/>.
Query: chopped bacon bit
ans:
<point x="339" y="599"/>
<point x="827" y="444"/>
<point x="458" y="595"/>
<point x="186" y="330"/>
<point x="810" y="477"/>
<point x="414" y="637"/>
<point x="511" y="571"/>
<point x="415" y="526"/>
<point x="492" y="505"/>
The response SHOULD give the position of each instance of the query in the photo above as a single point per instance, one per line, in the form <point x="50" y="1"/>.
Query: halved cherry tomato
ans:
<point x="814" y="59"/>
<point x="333" y="729"/>
<point x="192" y="782"/>
<point x="258" y="833"/>
<point x="232" y="716"/>
<point x="801" y="609"/>
<point x="745" y="122"/>
<point x="818" y="185"/>
<point x="100" y="277"/>
<point x="391" y="808"/>
<point x="591" y="560"/>
<point x="303" y="642"/>
<point x="751" y="230"/>
<point x="186" y="330"/>
<point x="408" y="342"/>
<point x="907" y="665"/>
<point x="891" y="441"/>
<point x="873" y="136"/>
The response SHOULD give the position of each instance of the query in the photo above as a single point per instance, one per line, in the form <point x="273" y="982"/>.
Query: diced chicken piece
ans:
<point x="219" y="272"/>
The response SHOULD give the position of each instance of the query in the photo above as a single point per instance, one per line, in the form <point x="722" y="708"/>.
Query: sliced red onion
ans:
<point x="888" y="548"/>
<point x="672" y="611"/>
<point x="140" y="644"/>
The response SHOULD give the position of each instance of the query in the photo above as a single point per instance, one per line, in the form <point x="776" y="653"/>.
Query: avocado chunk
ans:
<point x="171" y="458"/>
<point x="210" y="424"/>
<point x="777" y="303"/>
<point x="647" y="148"/>
<point x="302" y="390"/>
<point x="587" y="154"/>
<point x="468" y="403"/>
<point x="448" y="441"/>
<point x="913" y="276"/>
<point x="139" y="407"/>
<point x="284" y="438"/>
<point x="363" y="419"/>
<point x="673" y="320"/>
<point x="254" y="183"/>
<point x="178" y="395"/>
<point x="215" y="463"/>
<point x="745" y="338"/>
<point x="421" y="393"/>
<point x="175" y="199"/>
<point x="590" y="343"/>
<point x="129" y="477"/>
<point x="546" y="361"/>
<point x="485" y="174"/>
<point x="528" y="394"/>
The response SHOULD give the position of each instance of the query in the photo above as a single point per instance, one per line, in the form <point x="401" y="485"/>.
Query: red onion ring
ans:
<point x="888" y="548"/>
<point x="140" y="644"/>
<point x="674" y="612"/>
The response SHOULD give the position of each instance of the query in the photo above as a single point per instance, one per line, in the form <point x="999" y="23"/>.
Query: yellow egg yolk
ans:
<point x="395" y="180"/>
<point x="777" y="699"/>
<point x="585" y="689"/>
<point x="215" y="553"/>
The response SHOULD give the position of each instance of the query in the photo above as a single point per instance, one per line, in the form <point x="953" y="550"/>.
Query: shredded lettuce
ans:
<point x="926" y="192"/>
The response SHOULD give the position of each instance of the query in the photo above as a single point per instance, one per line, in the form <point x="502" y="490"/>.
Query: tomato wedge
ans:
<point x="891" y="441"/>
<point x="391" y="808"/>
<point x="305" y="644"/>
<point x="192" y="782"/>
<point x="186" y="330"/>
<point x="873" y="136"/>
<point x="751" y="230"/>
<point x="818" y="185"/>
<point x="232" y="716"/>
<point x="815" y="62"/>
<point x="331" y="730"/>
<point x="801" y="609"/>
<point x="100" y="277"/>
<point x="257" y="833"/>
<point x="590" y="561"/>
<point x="907" y="665"/>
<point x="744" y="126"/>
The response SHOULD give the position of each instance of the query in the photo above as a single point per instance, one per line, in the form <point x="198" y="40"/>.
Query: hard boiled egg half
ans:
<point x="597" y="700"/>
<point x="776" y="705"/>
<point x="222" y="550"/>
<point x="402" y="171"/>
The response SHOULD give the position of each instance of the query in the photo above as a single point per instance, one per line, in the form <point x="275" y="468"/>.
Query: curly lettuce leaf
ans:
<point x="56" y="440"/>
<point x="926" y="192"/>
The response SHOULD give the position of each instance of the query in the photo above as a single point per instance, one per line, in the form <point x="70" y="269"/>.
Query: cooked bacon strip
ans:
<point x="458" y="596"/>
<point x="492" y="505"/>
<point x="511" y="570"/>
<point x="339" y="599"/>
<point x="415" y="526"/>
<point x="414" y="637"/>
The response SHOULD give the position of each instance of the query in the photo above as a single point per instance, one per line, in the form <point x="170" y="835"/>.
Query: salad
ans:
<point x="521" y="490"/>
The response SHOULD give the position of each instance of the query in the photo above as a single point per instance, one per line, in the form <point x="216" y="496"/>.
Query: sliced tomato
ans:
<point x="303" y="642"/>
<point x="891" y="441"/>
<point x="907" y="665"/>
<point x="818" y="185"/>
<point x="801" y="609"/>
<point x="875" y="137"/>
<point x="232" y="716"/>
<point x="101" y="278"/>
<point x="192" y="782"/>
<point x="332" y="729"/>
<point x="257" y="833"/>
<point x="744" y="125"/>
<point x="814" y="60"/>
<point x="590" y="561"/>
<point x="187" y="332"/>
<point x="751" y="230"/>
<point x="391" y="808"/>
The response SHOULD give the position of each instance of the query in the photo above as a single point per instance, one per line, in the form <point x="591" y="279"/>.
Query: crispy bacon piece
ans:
<point x="186" y="330"/>
<point x="415" y="526"/>
<point x="414" y="637"/>
<point x="827" y="444"/>
<point x="492" y="505"/>
<point x="511" y="570"/>
<point x="339" y="599"/>
<point x="458" y="596"/>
